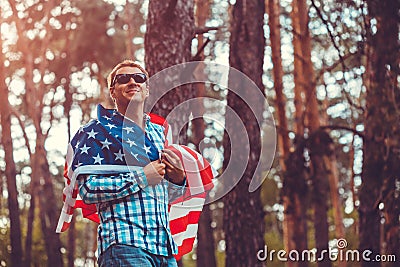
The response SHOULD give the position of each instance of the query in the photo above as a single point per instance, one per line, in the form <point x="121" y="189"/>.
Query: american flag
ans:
<point x="116" y="146"/>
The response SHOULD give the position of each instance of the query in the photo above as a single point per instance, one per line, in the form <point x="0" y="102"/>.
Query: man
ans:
<point x="132" y="206"/>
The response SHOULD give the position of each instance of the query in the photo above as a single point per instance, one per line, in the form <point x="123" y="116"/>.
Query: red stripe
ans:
<point x="180" y="225"/>
<point x="186" y="247"/>
<point x="154" y="118"/>
<point x="206" y="173"/>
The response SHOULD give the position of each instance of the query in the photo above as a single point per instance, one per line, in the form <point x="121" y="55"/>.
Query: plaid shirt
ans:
<point x="132" y="212"/>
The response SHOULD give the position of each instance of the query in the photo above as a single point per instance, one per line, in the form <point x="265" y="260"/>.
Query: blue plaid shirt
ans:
<point x="132" y="212"/>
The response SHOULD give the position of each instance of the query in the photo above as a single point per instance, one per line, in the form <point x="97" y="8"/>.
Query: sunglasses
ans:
<point x="125" y="78"/>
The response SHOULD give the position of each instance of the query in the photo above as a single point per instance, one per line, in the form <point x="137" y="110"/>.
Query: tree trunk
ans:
<point x="29" y="231"/>
<point x="297" y="176"/>
<point x="48" y="211"/>
<point x="168" y="39"/>
<point x="298" y="74"/>
<point x="294" y="220"/>
<point x="333" y="176"/>
<point x="319" y="141"/>
<point x="205" y="240"/>
<point x="10" y="169"/>
<point x="243" y="212"/>
<point x="205" y="245"/>
<point x="380" y="182"/>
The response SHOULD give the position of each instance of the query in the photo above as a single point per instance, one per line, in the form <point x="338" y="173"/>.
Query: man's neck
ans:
<point x="134" y="113"/>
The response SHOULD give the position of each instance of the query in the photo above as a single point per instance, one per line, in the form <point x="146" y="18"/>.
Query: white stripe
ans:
<point x="64" y="218"/>
<point x="191" y="231"/>
<point x="69" y="159"/>
<point x="86" y="169"/>
<point x="182" y="209"/>
<point x="169" y="135"/>
<point x="192" y="172"/>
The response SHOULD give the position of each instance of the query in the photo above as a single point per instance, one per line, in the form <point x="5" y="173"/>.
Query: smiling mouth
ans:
<point x="133" y="90"/>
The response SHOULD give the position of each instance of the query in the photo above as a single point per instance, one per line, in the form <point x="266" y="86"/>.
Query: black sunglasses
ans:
<point x="125" y="78"/>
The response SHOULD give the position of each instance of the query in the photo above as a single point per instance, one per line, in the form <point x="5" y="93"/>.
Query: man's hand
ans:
<point x="174" y="166"/>
<point x="154" y="172"/>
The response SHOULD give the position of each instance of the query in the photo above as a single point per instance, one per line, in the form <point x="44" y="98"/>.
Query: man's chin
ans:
<point x="135" y="99"/>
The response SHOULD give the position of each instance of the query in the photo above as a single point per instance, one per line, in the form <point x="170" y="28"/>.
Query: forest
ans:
<point x="312" y="85"/>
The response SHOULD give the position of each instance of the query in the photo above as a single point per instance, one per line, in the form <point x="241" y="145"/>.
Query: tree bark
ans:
<point x="380" y="182"/>
<point x="298" y="75"/>
<point x="10" y="169"/>
<point x="294" y="220"/>
<point x="296" y="177"/>
<point x="319" y="141"/>
<point x="243" y="212"/>
<point x="205" y="250"/>
<point x="169" y="33"/>
<point x="333" y="176"/>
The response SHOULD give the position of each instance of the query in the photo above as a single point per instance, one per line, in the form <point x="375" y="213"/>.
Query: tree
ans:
<point x="169" y="33"/>
<point x="319" y="142"/>
<point x="381" y="162"/>
<point x="205" y="250"/>
<point x="243" y="212"/>
<point x="291" y="161"/>
<point x="10" y="169"/>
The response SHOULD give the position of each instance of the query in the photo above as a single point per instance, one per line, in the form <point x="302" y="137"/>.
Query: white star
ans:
<point x="97" y="159"/>
<point x="107" y="118"/>
<point x="109" y="125"/>
<point x="77" y="145"/>
<point x="131" y="143"/>
<point x="92" y="134"/>
<point x="84" y="149"/>
<point x="147" y="149"/>
<point x="80" y="129"/>
<point x="105" y="144"/>
<point x="128" y="129"/>
<point x="119" y="155"/>
<point x="135" y="155"/>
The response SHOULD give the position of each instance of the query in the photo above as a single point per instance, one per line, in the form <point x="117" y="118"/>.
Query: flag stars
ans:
<point x="147" y="149"/>
<point x="119" y="155"/>
<point x="84" y="149"/>
<point x="92" y="134"/>
<point x="97" y="159"/>
<point x="109" y="125"/>
<point x="131" y="143"/>
<point x="135" y="155"/>
<point x="106" y="144"/>
<point x="107" y="118"/>
<point x="128" y="129"/>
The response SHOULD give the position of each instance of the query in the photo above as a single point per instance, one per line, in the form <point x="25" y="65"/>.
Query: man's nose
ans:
<point x="132" y="80"/>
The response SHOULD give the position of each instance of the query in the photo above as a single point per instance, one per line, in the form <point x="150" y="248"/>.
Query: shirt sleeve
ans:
<point x="102" y="188"/>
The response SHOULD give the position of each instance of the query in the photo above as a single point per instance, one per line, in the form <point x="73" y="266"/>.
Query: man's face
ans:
<point x="131" y="91"/>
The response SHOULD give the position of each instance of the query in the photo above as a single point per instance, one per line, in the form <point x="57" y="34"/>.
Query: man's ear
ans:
<point x="112" y="92"/>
